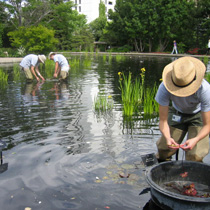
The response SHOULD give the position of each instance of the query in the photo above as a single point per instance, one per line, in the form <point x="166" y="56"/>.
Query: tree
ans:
<point x="97" y="26"/>
<point x="201" y="24"/>
<point x="3" y="21"/>
<point x="35" y="39"/>
<point x="64" y="21"/>
<point x="144" y="23"/>
<point x="57" y="15"/>
<point x="27" y="12"/>
<point x="82" y="39"/>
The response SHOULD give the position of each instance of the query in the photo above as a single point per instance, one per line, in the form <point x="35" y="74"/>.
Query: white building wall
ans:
<point x="90" y="8"/>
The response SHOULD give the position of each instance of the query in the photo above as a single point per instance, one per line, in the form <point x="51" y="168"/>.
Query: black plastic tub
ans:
<point x="171" y="171"/>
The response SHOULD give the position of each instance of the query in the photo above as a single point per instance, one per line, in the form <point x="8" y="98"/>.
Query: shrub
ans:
<point x="34" y="39"/>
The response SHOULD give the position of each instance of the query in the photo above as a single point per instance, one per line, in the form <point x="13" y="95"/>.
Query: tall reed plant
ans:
<point x="131" y="92"/>
<point x="205" y="60"/>
<point x="119" y="57"/>
<point x="135" y="97"/>
<point x="48" y="68"/>
<point x="150" y="106"/>
<point x="16" y="72"/>
<point x="3" y="78"/>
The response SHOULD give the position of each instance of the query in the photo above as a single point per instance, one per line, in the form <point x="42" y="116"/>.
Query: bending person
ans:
<point x="61" y="65"/>
<point x="184" y="85"/>
<point x="30" y="66"/>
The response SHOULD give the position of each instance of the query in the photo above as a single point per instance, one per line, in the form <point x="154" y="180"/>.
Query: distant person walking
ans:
<point x="207" y="52"/>
<point x="61" y="65"/>
<point x="174" y="48"/>
<point x="30" y="66"/>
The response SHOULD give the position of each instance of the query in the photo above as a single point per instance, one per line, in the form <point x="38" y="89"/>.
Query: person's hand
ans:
<point x="43" y="79"/>
<point x="37" y="78"/>
<point x="172" y="144"/>
<point x="55" y="75"/>
<point x="189" y="144"/>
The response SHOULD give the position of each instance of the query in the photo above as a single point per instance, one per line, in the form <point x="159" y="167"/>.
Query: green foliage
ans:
<point x="149" y="104"/>
<point x="135" y="95"/>
<point x="58" y="16"/>
<point x="3" y="78"/>
<point x="16" y="72"/>
<point x="205" y="60"/>
<point x="98" y="25"/>
<point x="66" y="23"/>
<point x="125" y="48"/>
<point x="119" y="58"/>
<point x="82" y="40"/>
<point x="207" y="77"/>
<point x="48" y="68"/>
<point x="1" y="33"/>
<point x="103" y="103"/>
<point x="131" y="93"/>
<point x="149" y="24"/>
<point x="35" y="39"/>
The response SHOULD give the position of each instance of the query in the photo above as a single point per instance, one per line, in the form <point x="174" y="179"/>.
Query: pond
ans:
<point x="63" y="155"/>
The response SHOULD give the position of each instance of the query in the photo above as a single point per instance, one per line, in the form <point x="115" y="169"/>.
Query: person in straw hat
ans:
<point x="184" y="85"/>
<point x="61" y="65"/>
<point x="30" y="66"/>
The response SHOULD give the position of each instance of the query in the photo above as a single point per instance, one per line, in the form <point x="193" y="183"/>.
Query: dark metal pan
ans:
<point x="166" y="172"/>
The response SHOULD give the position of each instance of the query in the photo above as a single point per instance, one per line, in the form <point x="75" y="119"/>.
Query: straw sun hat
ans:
<point x="183" y="76"/>
<point x="51" y="53"/>
<point x="42" y="58"/>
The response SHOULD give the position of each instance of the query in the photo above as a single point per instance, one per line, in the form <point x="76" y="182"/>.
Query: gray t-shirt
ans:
<point x="29" y="60"/>
<point x="62" y="61"/>
<point x="199" y="101"/>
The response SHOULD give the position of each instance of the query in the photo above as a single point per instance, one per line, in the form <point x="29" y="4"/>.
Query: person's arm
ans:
<point x="190" y="143"/>
<point x="33" y="72"/>
<point x="164" y="127"/>
<point x="56" y="69"/>
<point x="38" y="73"/>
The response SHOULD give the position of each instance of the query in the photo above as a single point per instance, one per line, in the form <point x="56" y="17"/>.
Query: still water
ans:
<point x="61" y="154"/>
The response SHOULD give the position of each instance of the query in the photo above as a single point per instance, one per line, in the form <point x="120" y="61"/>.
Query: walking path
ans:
<point x="7" y="60"/>
<point x="10" y="60"/>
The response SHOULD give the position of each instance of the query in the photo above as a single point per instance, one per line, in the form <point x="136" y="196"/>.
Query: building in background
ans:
<point x="90" y="8"/>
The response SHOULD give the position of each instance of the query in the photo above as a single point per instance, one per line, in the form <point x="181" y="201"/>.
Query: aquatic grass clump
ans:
<point x="135" y="97"/>
<point x="103" y="103"/>
<point x="131" y="92"/>
<point x="150" y="106"/>
<point x="119" y="57"/>
<point x="3" y="78"/>
<point x="87" y="63"/>
<point x="74" y="63"/>
<point x="207" y="77"/>
<point x="205" y="60"/>
<point x="16" y="72"/>
<point x="48" y="68"/>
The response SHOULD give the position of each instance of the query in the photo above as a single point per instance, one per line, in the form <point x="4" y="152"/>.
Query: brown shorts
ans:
<point x="28" y="73"/>
<point x="64" y="75"/>
<point x="189" y="124"/>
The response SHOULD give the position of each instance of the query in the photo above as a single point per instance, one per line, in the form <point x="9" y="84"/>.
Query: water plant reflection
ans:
<point x="103" y="103"/>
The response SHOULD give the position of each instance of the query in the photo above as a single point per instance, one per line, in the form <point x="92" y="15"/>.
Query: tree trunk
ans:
<point x="150" y="45"/>
<point x="136" y="45"/>
<point x="163" y="44"/>
<point x="141" y="45"/>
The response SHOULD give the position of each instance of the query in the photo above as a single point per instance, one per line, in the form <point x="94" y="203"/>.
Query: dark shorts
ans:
<point x="183" y="121"/>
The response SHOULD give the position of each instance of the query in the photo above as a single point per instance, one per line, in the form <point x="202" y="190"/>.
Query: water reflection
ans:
<point x="57" y="145"/>
<point x="32" y="93"/>
<point x="3" y="166"/>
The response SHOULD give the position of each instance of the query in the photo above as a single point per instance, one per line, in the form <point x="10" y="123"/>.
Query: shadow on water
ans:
<point x="61" y="154"/>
